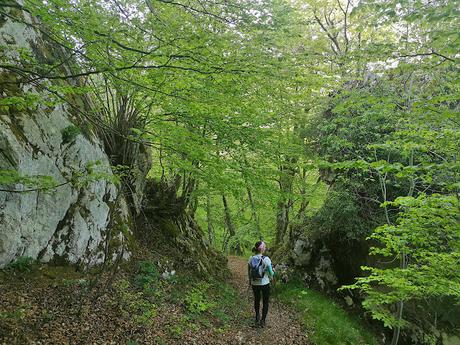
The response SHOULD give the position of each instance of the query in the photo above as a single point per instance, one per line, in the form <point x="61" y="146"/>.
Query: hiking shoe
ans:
<point x="262" y="323"/>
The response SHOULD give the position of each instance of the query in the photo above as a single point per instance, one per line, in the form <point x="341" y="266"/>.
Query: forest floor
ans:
<point x="134" y="305"/>
<point x="283" y="325"/>
<point x="45" y="304"/>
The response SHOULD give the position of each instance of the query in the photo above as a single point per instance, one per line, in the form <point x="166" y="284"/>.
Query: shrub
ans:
<point x="147" y="277"/>
<point x="70" y="133"/>
<point x="133" y="304"/>
<point x="196" y="300"/>
<point x="22" y="264"/>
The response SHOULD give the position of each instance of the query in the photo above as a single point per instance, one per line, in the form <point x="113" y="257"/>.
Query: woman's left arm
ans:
<point x="271" y="272"/>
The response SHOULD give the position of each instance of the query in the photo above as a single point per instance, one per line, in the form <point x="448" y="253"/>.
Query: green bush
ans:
<point x="341" y="213"/>
<point x="21" y="264"/>
<point x="134" y="304"/>
<point x="70" y="133"/>
<point x="197" y="301"/>
<point x="147" y="277"/>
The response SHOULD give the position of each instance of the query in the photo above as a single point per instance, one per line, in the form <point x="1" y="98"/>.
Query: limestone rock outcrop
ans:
<point x="82" y="220"/>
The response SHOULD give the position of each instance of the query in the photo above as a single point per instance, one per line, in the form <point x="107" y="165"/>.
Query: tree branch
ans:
<point x="189" y="8"/>
<point x="427" y="54"/>
<point x="34" y="189"/>
<point x="331" y="37"/>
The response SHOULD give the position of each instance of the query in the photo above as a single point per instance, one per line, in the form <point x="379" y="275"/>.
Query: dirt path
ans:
<point x="282" y="327"/>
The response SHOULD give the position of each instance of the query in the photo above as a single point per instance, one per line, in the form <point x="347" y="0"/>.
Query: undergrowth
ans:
<point x="22" y="264"/>
<point x="202" y="303"/>
<point x="147" y="299"/>
<point x="326" y="322"/>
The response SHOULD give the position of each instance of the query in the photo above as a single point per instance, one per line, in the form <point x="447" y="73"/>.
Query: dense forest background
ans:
<point x="329" y="129"/>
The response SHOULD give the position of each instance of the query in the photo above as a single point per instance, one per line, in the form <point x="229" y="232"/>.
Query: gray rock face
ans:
<point x="324" y="273"/>
<point x="301" y="254"/>
<point x="75" y="221"/>
<point x="313" y="258"/>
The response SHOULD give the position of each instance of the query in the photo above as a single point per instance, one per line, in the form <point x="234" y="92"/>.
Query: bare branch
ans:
<point x="326" y="31"/>
<point x="125" y="47"/>
<point x="427" y="54"/>
<point x="190" y="9"/>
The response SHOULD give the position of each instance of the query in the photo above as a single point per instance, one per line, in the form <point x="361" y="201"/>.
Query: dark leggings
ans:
<point x="263" y="290"/>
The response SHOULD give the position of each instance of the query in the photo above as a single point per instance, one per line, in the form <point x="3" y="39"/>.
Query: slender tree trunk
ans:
<point x="282" y="220"/>
<point x="230" y="226"/>
<point x="285" y="202"/>
<point x="193" y="200"/>
<point x="255" y="216"/>
<point x="403" y="265"/>
<point x="399" y="307"/>
<point x="303" y="193"/>
<point x="211" y="237"/>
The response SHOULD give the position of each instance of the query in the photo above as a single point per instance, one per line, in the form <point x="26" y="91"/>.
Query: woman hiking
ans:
<point x="259" y="273"/>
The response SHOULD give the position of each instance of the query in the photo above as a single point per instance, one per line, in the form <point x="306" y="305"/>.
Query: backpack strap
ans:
<point x="262" y="263"/>
<point x="261" y="260"/>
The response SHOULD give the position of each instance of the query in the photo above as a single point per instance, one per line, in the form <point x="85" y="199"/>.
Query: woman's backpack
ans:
<point x="257" y="268"/>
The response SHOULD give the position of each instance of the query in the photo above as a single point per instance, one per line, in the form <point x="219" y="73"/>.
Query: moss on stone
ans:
<point x="119" y="232"/>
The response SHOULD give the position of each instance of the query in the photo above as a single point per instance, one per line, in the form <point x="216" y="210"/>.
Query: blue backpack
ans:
<point x="257" y="267"/>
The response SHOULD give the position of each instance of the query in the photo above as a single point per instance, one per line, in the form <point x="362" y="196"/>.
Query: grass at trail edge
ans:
<point x="325" y="321"/>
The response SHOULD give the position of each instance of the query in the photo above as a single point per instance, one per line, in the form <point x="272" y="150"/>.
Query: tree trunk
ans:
<point x="193" y="200"/>
<point x="211" y="236"/>
<point x="303" y="193"/>
<point x="285" y="202"/>
<point x="230" y="227"/>
<point x="255" y="216"/>
<point x="403" y="265"/>
<point x="282" y="221"/>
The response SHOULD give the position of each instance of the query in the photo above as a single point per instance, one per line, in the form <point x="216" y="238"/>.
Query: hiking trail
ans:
<point x="283" y="326"/>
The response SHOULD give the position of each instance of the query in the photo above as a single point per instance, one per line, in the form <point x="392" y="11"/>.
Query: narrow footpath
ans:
<point x="283" y="327"/>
